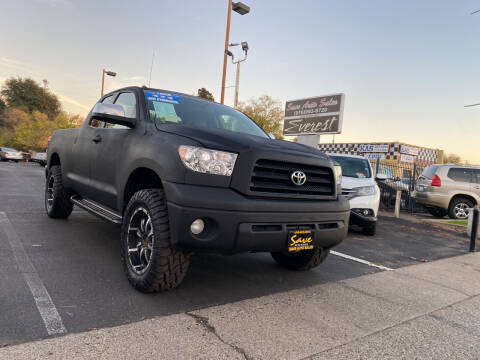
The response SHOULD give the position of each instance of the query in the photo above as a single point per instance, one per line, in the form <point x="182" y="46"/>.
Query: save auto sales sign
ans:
<point x="317" y="115"/>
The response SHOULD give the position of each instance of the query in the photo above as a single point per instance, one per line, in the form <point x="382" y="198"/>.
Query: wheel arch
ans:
<point x="462" y="196"/>
<point x="139" y="179"/>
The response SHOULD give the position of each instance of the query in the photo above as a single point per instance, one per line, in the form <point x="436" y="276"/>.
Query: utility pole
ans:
<point x="237" y="77"/>
<point x="241" y="9"/>
<point x="109" y="73"/>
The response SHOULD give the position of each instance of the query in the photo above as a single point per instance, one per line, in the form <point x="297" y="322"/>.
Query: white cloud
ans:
<point x="69" y="100"/>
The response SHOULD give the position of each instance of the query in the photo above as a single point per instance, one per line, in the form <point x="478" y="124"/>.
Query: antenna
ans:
<point x="151" y="67"/>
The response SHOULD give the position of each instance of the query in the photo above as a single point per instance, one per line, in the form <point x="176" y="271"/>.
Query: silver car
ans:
<point x="10" y="154"/>
<point x="39" y="158"/>
<point x="449" y="190"/>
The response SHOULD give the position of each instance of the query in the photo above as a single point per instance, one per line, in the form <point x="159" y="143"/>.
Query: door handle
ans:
<point x="97" y="139"/>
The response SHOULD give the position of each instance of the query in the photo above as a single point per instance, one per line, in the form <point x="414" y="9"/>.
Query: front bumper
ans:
<point x="236" y="223"/>
<point x="360" y="220"/>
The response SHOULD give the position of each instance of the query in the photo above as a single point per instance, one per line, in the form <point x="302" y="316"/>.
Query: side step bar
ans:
<point x="96" y="209"/>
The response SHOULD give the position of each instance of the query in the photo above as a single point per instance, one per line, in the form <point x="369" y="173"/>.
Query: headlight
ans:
<point x="337" y="170"/>
<point x="365" y="190"/>
<point x="207" y="161"/>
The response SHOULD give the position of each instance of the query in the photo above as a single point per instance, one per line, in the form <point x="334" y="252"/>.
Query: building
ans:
<point x="392" y="151"/>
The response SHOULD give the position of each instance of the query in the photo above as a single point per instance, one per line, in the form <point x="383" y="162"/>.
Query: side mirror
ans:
<point x="271" y="136"/>
<point x="381" y="177"/>
<point x="112" y="114"/>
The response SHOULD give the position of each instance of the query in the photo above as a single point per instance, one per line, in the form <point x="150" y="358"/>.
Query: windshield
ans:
<point x="170" y="108"/>
<point x="353" y="167"/>
<point x="9" y="149"/>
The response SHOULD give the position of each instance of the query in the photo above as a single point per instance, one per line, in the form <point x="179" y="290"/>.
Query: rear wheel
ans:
<point x="459" y="208"/>
<point x="302" y="260"/>
<point x="437" y="212"/>
<point x="57" y="202"/>
<point x="149" y="262"/>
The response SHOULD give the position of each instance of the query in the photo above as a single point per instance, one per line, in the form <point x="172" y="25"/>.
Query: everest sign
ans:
<point x="318" y="115"/>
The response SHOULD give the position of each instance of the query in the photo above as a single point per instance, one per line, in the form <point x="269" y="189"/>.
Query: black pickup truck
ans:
<point x="181" y="174"/>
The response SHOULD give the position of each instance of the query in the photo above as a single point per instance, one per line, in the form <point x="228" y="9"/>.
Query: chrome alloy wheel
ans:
<point x="461" y="210"/>
<point x="49" y="193"/>
<point x="140" y="241"/>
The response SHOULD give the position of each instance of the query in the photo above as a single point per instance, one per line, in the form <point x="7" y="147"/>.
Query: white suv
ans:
<point x="359" y="186"/>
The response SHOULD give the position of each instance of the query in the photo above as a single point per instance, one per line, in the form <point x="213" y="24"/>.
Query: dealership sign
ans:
<point x="375" y="156"/>
<point x="407" y="158"/>
<point x="409" y="150"/>
<point x="318" y="115"/>
<point x="376" y="148"/>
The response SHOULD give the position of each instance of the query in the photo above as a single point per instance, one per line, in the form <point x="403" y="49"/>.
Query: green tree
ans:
<point x="2" y="106"/>
<point x="205" y="94"/>
<point x="266" y="112"/>
<point x="29" y="95"/>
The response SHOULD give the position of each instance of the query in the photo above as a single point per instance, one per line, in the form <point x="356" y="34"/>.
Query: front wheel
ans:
<point x="57" y="202"/>
<point x="302" y="260"/>
<point x="149" y="261"/>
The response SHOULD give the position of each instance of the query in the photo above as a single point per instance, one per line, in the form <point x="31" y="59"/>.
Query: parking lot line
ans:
<point x="50" y="316"/>
<point x="360" y="260"/>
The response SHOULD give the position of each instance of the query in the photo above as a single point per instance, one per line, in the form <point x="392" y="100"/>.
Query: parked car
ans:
<point x="181" y="174"/>
<point x="360" y="188"/>
<point x="40" y="158"/>
<point x="10" y="154"/>
<point x="449" y="190"/>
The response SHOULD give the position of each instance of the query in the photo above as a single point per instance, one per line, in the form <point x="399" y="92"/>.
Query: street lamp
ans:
<point x="241" y="9"/>
<point x="109" y="73"/>
<point x="244" y="45"/>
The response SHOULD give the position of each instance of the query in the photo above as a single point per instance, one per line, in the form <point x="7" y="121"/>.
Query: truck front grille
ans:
<point x="273" y="177"/>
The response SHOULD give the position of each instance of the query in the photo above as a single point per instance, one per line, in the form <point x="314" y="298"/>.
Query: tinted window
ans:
<point x="170" y="108"/>
<point x="9" y="149"/>
<point x="353" y="167"/>
<point x="459" y="174"/>
<point x="429" y="171"/>
<point x="129" y="104"/>
<point x="109" y="99"/>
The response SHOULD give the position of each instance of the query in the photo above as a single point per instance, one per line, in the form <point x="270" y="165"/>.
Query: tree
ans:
<point x="452" y="159"/>
<point x="205" y="94"/>
<point x="266" y="112"/>
<point x="29" y="95"/>
<point x="2" y="106"/>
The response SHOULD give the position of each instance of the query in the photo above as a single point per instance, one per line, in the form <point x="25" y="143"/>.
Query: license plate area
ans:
<point x="300" y="240"/>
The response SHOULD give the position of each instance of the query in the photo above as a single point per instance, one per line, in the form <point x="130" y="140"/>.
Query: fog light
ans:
<point x="197" y="226"/>
<point x="366" y="212"/>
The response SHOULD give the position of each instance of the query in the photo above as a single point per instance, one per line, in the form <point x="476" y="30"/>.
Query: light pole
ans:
<point x="237" y="77"/>
<point x="109" y="73"/>
<point x="241" y="9"/>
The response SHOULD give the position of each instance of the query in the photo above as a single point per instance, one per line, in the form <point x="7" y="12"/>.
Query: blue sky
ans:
<point x="407" y="67"/>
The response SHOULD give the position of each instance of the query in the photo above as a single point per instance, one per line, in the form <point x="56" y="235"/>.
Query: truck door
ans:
<point x="109" y="153"/>
<point x="79" y="173"/>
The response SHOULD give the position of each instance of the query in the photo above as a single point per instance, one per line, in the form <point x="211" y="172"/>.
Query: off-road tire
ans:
<point x="370" y="229"/>
<point x="61" y="207"/>
<point x="455" y="202"/>
<point x="437" y="212"/>
<point x="301" y="261"/>
<point x="168" y="266"/>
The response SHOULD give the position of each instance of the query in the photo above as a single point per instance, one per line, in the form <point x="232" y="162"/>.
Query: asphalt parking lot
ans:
<point x="78" y="262"/>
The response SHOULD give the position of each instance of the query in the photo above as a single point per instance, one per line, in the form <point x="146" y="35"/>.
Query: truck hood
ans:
<point x="226" y="140"/>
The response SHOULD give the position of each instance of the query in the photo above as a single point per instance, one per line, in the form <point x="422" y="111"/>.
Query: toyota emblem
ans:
<point x="298" y="177"/>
